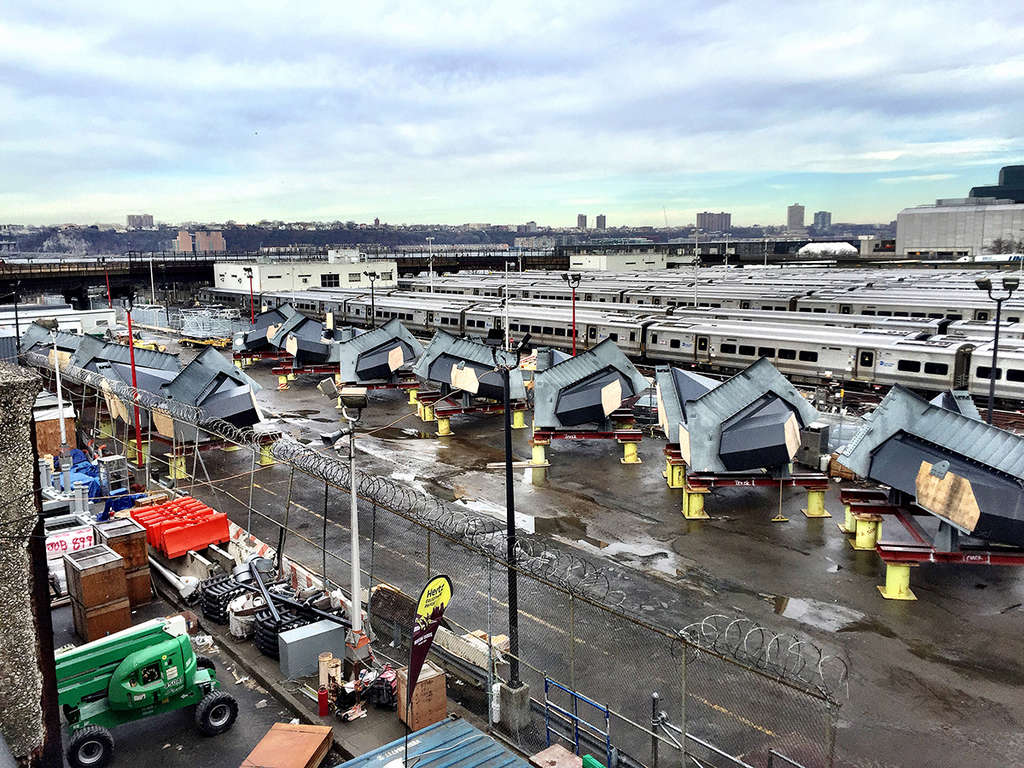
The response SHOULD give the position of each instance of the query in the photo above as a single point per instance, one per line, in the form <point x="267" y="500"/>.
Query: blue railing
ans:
<point x="574" y="721"/>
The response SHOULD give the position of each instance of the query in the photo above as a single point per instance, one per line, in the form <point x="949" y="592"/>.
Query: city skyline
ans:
<point x="420" y="115"/>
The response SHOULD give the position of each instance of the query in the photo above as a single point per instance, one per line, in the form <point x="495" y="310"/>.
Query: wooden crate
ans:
<point x="48" y="435"/>
<point x="128" y="539"/>
<point x="95" y="576"/>
<point x="140" y="590"/>
<point x="291" y="745"/>
<point x="101" y="620"/>
<point x="429" y="699"/>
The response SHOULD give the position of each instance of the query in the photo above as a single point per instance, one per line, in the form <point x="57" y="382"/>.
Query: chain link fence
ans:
<point x="729" y="692"/>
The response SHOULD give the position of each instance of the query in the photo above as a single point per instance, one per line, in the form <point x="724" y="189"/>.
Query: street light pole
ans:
<point x="152" y="282"/>
<point x="510" y="513"/>
<point x="252" y="305"/>
<point x="135" y="385"/>
<point x="372" y="276"/>
<point x="17" y="322"/>
<point x="106" y="275"/>
<point x="726" y="249"/>
<point x="508" y="333"/>
<point x="696" y="263"/>
<point x="573" y="281"/>
<point x="430" y="250"/>
<point x="1010" y="284"/>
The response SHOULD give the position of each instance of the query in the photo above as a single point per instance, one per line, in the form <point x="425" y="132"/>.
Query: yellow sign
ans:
<point x="433" y="600"/>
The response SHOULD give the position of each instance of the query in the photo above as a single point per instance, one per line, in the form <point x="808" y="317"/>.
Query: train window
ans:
<point x="787" y="354"/>
<point x="535" y="329"/>
<point x="747" y="350"/>
<point x="548" y="330"/>
<point x="613" y="336"/>
<point x="936" y="369"/>
<point x="805" y="309"/>
<point x="985" y="372"/>
<point x="917" y="314"/>
<point x="632" y="335"/>
<point x="884" y="313"/>
<point x="744" y="305"/>
<point x="982" y="315"/>
<point x="1015" y="374"/>
<point x="654" y="338"/>
<point x="727" y="349"/>
<point x="868" y="312"/>
<point x="866" y="359"/>
<point x="901" y="314"/>
<point x="910" y="366"/>
<point x="559" y="331"/>
<point x="592" y="332"/>
<point x="819" y="309"/>
<point x="702" y="343"/>
<point x="935" y="315"/>
<point x="766" y="352"/>
<point x="1013" y="319"/>
<point x="955" y="317"/>
<point x="808" y="357"/>
<point x="674" y="343"/>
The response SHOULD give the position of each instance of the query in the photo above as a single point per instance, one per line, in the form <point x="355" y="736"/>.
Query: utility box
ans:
<point x="813" y="444"/>
<point x="429" y="699"/>
<point x="300" y="648"/>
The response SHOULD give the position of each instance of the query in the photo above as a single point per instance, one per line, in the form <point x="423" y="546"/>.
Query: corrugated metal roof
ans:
<point x="676" y="387"/>
<point x="195" y="379"/>
<point x="464" y="349"/>
<point x="391" y="329"/>
<point x="903" y="411"/>
<point x="447" y="744"/>
<point x="91" y="350"/>
<point x="706" y="414"/>
<point x="37" y="334"/>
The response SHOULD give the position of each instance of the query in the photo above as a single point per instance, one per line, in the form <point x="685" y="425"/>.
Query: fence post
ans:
<point x="428" y="554"/>
<point x="830" y="744"/>
<point x="682" y="708"/>
<point x="572" y="642"/>
<point x="490" y="647"/>
<point x="655" y="699"/>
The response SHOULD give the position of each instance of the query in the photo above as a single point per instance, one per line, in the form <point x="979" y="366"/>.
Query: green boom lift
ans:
<point x="142" y="671"/>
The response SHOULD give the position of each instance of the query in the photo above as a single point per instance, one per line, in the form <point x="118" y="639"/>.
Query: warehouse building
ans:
<point x="958" y="227"/>
<point x="343" y="269"/>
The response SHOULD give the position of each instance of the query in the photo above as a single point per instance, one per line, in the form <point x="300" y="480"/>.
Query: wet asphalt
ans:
<point x="938" y="681"/>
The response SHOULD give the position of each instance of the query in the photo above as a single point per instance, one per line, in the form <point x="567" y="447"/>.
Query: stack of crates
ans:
<point x="179" y="525"/>
<point x="128" y="539"/>
<point x="99" y="592"/>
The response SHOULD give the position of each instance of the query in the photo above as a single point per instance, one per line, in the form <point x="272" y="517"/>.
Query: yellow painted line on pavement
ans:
<point x="740" y="718"/>
<point x="543" y="623"/>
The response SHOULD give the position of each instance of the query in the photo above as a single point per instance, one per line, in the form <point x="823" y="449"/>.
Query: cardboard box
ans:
<point x="429" y="699"/>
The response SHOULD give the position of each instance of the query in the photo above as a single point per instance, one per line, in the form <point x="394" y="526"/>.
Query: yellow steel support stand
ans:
<point x="897" y="582"/>
<point x="444" y="426"/>
<point x="538" y="462"/>
<point x="675" y="475"/>
<point x="266" y="457"/>
<point x="130" y="452"/>
<point x="519" y="420"/>
<point x="282" y="383"/>
<point x="849" y="524"/>
<point x="815" y="503"/>
<point x="413" y="396"/>
<point x="869" y="529"/>
<point x="106" y="428"/>
<point x="176" y="468"/>
<point x="426" y="412"/>
<point x="629" y="453"/>
<point x="239" y="363"/>
<point x="291" y="377"/>
<point x="693" y="503"/>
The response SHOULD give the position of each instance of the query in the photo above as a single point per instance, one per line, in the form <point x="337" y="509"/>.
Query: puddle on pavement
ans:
<point x="815" y="613"/>
<point x="569" y="527"/>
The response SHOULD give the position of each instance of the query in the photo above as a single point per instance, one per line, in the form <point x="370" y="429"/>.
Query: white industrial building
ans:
<point x="343" y="269"/>
<point x="958" y="227"/>
<point x="616" y="260"/>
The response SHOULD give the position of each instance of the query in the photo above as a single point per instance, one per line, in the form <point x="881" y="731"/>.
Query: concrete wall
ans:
<point x="301" y="276"/>
<point x="956" y="230"/>
<point x="21" y="682"/>
<point x="629" y="261"/>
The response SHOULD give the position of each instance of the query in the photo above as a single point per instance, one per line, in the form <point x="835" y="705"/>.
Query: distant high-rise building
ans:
<point x="714" y="222"/>
<point x="140" y="220"/>
<point x="531" y="226"/>
<point x="822" y="219"/>
<point x="183" y="242"/>
<point x="376" y="221"/>
<point x="602" y="222"/>
<point x="581" y="221"/>
<point x="209" y="241"/>
<point x="795" y="217"/>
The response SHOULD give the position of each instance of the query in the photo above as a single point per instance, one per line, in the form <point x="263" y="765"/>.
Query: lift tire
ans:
<point x="204" y="662"/>
<point x="90" y="747"/>
<point x="216" y="713"/>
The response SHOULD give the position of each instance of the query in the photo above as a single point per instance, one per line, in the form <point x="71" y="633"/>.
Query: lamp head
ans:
<point x="354" y="397"/>
<point x="984" y="283"/>
<point x="1011" y="283"/>
<point x="248" y="271"/>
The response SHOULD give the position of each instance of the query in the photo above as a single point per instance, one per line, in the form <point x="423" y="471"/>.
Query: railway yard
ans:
<point x="932" y="673"/>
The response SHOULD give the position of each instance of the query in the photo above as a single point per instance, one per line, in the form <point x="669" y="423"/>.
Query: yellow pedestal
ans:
<point x="176" y="468"/>
<point x="291" y="377"/>
<point x="239" y="363"/>
<point x="693" y="504"/>
<point x="539" y="463"/>
<point x="444" y="426"/>
<point x="426" y="412"/>
<point x="897" y="582"/>
<point x="630" y="453"/>
<point x="815" y="504"/>
<point x="413" y="396"/>
<point x="869" y="528"/>
<point x="849" y="524"/>
<point x="282" y="383"/>
<point x="675" y="475"/>
<point x="131" y="455"/>
<point x="519" y="420"/>
<point x="266" y="457"/>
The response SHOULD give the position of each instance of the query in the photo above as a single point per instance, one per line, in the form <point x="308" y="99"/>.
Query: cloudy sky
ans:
<point x="502" y="112"/>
